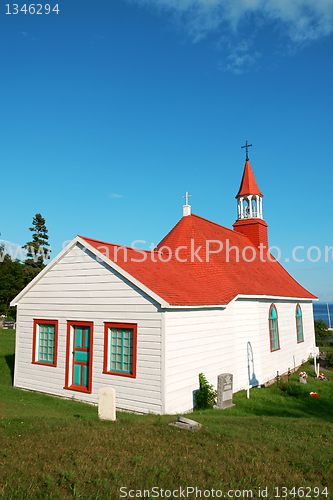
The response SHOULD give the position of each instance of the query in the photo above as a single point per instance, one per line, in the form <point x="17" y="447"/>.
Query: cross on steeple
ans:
<point x="247" y="149"/>
<point x="187" y="196"/>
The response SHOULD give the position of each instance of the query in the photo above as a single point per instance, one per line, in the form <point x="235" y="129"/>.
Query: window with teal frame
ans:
<point x="121" y="350"/>
<point x="45" y="342"/>
<point x="46" y="346"/>
<point x="299" y="324"/>
<point x="120" y="344"/>
<point x="273" y="328"/>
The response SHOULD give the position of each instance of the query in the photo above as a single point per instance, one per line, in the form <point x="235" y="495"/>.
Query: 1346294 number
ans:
<point x="33" y="8"/>
<point x="302" y="492"/>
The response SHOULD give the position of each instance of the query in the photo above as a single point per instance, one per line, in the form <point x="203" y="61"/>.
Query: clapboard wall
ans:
<point x="232" y="340"/>
<point x="196" y="341"/>
<point x="256" y="363"/>
<point x="78" y="287"/>
<point x="291" y="353"/>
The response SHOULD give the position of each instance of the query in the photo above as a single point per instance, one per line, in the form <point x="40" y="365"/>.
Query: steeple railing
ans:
<point x="249" y="207"/>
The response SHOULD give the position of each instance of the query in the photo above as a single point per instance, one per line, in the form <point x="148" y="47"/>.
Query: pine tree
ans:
<point x="321" y="330"/>
<point x="11" y="282"/>
<point x="38" y="248"/>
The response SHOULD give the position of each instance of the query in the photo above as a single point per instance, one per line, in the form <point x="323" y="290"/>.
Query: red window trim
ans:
<point x="299" y="341"/>
<point x="134" y="327"/>
<point x="34" y="341"/>
<point x="69" y="347"/>
<point x="269" y="328"/>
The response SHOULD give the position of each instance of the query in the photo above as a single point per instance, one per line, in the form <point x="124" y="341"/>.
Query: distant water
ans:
<point x="320" y="311"/>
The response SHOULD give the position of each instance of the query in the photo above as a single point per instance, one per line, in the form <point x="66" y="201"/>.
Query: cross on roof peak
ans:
<point x="187" y="196"/>
<point x="247" y="149"/>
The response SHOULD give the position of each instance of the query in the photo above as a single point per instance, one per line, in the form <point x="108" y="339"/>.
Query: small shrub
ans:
<point x="294" y="389"/>
<point x="205" y="397"/>
<point x="282" y="386"/>
<point x="329" y="359"/>
<point x="324" y="343"/>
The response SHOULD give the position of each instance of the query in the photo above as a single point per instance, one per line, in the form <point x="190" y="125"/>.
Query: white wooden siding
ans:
<point x="196" y="341"/>
<point x="248" y="351"/>
<point x="80" y="288"/>
<point x="291" y="354"/>
<point x="234" y="340"/>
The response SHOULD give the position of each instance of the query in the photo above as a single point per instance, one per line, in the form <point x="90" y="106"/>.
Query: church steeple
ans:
<point x="249" y="197"/>
<point x="250" y="220"/>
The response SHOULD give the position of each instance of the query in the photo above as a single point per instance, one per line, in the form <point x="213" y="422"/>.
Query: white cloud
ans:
<point x="239" y="63"/>
<point x="7" y="243"/>
<point x="114" y="195"/>
<point x="301" y="20"/>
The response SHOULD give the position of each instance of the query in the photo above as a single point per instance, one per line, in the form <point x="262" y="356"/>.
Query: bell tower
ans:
<point x="250" y="220"/>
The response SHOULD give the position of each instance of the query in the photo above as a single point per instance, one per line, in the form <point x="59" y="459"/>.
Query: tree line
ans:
<point x="15" y="274"/>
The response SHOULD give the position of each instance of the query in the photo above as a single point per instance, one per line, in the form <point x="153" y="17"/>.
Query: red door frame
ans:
<point x="70" y="357"/>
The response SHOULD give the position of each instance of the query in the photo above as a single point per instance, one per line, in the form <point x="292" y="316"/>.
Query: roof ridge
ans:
<point x="114" y="244"/>
<point x="211" y="222"/>
<point x="209" y="281"/>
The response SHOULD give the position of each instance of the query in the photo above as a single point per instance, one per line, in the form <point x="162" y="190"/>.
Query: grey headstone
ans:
<point x="186" y="423"/>
<point x="224" y="391"/>
<point x="8" y="324"/>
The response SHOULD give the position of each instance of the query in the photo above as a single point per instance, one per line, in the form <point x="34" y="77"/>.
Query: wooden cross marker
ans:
<point x="247" y="149"/>
<point x="187" y="196"/>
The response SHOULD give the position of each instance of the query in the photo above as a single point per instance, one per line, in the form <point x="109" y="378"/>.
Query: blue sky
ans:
<point x="111" y="110"/>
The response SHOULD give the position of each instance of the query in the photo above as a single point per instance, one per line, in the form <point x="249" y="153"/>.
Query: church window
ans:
<point x="45" y="341"/>
<point x="273" y="328"/>
<point x="299" y="324"/>
<point x="120" y="349"/>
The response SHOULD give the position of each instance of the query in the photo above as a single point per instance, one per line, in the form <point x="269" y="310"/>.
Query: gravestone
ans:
<point x="106" y="403"/>
<point x="186" y="423"/>
<point x="8" y="324"/>
<point x="224" y="391"/>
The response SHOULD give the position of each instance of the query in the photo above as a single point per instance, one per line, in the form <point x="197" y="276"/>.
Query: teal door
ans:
<point x="81" y="354"/>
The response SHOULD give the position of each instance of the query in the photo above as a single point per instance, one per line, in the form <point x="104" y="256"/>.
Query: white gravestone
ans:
<point x="106" y="403"/>
<point x="224" y="391"/>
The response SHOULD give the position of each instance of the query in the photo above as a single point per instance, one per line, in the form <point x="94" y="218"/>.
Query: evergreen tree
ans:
<point x="11" y="282"/>
<point x="321" y="330"/>
<point x="38" y="248"/>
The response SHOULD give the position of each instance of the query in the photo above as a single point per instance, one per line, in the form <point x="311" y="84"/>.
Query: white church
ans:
<point x="207" y="299"/>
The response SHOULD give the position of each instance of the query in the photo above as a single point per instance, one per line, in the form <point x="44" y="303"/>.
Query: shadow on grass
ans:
<point x="303" y="409"/>
<point x="293" y="401"/>
<point x="10" y="358"/>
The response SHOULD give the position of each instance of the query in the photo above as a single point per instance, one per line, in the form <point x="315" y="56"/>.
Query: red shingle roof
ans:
<point x="248" y="184"/>
<point x="213" y="281"/>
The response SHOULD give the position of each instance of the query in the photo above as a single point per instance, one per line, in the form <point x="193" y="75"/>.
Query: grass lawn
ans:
<point x="58" y="449"/>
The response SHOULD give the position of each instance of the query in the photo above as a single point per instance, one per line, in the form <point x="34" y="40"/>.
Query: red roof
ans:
<point x="249" y="184"/>
<point x="213" y="281"/>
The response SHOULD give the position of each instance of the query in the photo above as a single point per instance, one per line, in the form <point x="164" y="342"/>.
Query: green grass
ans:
<point x="58" y="449"/>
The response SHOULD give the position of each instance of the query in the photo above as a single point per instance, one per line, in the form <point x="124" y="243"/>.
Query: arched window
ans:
<point x="273" y="328"/>
<point x="299" y="324"/>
